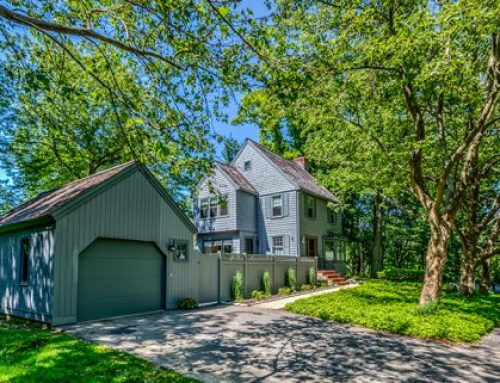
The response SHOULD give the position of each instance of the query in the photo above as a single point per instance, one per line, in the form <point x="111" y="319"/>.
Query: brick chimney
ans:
<point x="302" y="162"/>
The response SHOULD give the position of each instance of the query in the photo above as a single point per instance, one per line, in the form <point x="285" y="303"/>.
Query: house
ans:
<point x="114" y="243"/>
<point x="263" y="203"/>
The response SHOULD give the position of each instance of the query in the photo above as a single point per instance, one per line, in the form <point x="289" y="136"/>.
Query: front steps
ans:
<point x="332" y="278"/>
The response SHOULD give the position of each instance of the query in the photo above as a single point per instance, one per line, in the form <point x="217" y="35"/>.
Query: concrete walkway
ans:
<point x="281" y="303"/>
<point x="253" y="344"/>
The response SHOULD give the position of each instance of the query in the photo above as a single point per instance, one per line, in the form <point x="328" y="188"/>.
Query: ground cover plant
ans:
<point x="393" y="306"/>
<point x="33" y="355"/>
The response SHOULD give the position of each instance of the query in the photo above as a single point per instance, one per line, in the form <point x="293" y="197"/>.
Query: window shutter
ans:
<point x="315" y="208"/>
<point x="285" y="197"/>
<point x="286" y="245"/>
<point x="268" y="206"/>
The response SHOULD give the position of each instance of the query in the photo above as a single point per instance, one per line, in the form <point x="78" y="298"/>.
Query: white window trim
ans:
<point x="280" y="196"/>
<point x="282" y="244"/>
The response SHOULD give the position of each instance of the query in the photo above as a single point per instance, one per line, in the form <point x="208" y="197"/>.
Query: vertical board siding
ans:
<point x="218" y="182"/>
<point x="33" y="300"/>
<point x="130" y="209"/>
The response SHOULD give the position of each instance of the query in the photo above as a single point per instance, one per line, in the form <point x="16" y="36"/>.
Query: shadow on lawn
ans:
<point x="244" y="344"/>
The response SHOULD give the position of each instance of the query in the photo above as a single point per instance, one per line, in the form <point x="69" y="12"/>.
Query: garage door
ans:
<point x="118" y="277"/>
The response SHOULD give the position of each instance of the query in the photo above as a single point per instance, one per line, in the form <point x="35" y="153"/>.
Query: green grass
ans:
<point x="32" y="355"/>
<point x="392" y="306"/>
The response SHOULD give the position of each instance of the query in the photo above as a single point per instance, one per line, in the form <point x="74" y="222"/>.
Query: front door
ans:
<point x="312" y="247"/>
<point x="249" y="245"/>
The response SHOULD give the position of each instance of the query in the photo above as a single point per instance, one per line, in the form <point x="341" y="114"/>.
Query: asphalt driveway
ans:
<point x="253" y="344"/>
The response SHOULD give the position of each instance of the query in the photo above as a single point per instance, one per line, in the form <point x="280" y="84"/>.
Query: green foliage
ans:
<point x="259" y="295"/>
<point x="284" y="291"/>
<point x="266" y="283"/>
<point x="495" y="270"/>
<point x="306" y="287"/>
<point x="187" y="303"/>
<point x="311" y="276"/>
<point x="290" y="279"/>
<point x="32" y="355"/>
<point x="395" y="274"/>
<point x="393" y="306"/>
<point x="8" y="197"/>
<point x="237" y="287"/>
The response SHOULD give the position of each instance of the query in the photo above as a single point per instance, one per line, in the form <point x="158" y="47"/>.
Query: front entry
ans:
<point x="312" y="246"/>
<point x="118" y="277"/>
<point x="249" y="245"/>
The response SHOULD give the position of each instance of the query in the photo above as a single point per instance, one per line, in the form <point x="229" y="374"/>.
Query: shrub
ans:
<point x="237" y="287"/>
<point x="258" y="295"/>
<point x="290" y="279"/>
<point x="266" y="283"/>
<point x="450" y="287"/>
<point x="395" y="274"/>
<point x="284" y="291"/>
<point x="431" y="308"/>
<point x="187" y="303"/>
<point x="306" y="287"/>
<point x="311" y="276"/>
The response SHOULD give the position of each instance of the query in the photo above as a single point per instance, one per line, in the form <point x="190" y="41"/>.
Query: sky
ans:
<point x="242" y="131"/>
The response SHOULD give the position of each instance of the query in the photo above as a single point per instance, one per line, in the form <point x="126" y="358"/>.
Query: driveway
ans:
<point x="253" y="344"/>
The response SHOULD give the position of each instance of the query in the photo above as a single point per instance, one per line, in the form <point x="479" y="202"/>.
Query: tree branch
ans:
<point x="80" y="32"/>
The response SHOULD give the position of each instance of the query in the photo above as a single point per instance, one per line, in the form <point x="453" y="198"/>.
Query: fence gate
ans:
<point x="209" y="277"/>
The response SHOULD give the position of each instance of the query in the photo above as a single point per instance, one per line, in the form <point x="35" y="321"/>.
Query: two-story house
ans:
<point x="262" y="203"/>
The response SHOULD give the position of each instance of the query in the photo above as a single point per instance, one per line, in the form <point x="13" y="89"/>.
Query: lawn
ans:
<point x="32" y="355"/>
<point x="392" y="306"/>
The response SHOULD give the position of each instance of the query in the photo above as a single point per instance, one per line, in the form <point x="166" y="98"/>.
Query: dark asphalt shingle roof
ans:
<point x="298" y="174"/>
<point x="238" y="178"/>
<point x="47" y="202"/>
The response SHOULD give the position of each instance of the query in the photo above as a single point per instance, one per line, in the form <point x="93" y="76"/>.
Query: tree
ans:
<point x="8" y="198"/>
<point x="231" y="147"/>
<point x="100" y="82"/>
<point x="419" y="80"/>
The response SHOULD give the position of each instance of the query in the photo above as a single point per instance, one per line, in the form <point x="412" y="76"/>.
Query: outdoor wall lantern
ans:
<point x="172" y="247"/>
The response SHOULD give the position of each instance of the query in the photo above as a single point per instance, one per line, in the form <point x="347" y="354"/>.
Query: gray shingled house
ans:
<point x="262" y="203"/>
<point x="114" y="243"/>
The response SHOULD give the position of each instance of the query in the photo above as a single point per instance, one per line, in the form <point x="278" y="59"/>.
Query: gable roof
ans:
<point x="236" y="177"/>
<point x="47" y="204"/>
<point x="298" y="175"/>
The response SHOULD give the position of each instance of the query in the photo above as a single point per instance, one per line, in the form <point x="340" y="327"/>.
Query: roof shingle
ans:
<point x="47" y="202"/>
<point x="238" y="178"/>
<point x="298" y="174"/>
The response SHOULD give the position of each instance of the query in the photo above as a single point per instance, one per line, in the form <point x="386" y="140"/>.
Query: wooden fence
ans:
<point x="217" y="272"/>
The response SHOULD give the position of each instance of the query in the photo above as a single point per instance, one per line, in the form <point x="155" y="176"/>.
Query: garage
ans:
<point x="119" y="277"/>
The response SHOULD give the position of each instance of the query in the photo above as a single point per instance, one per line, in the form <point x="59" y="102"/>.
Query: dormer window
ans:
<point x="247" y="165"/>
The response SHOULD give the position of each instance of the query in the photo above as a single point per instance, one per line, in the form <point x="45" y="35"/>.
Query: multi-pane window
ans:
<point x="218" y="247"/>
<point x="277" y="206"/>
<point x="25" y="260"/>
<point x="329" y="249"/>
<point x="181" y="250"/>
<point x="247" y="165"/>
<point x="278" y="244"/>
<point x="223" y="205"/>
<point x="332" y="216"/>
<point x="213" y="207"/>
<point x="310" y="207"/>
<point x="204" y="208"/>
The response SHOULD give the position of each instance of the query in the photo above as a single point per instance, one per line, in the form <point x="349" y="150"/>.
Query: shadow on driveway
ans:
<point x="252" y="344"/>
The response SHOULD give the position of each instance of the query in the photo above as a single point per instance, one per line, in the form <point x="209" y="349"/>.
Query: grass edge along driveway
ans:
<point x="393" y="307"/>
<point x="29" y="354"/>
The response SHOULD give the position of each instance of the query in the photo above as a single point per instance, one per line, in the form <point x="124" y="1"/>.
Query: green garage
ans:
<point x="118" y="277"/>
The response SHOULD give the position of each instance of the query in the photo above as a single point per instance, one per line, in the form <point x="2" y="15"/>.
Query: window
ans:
<point x="310" y="206"/>
<point x="329" y="252"/>
<point x="181" y="250"/>
<point x="204" y="208"/>
<point x="208" y="247"/>
<point x="278" y="245"/>
<point x="218" y="247"/>
<point x="277" y="206"/>
<point x="247" y="165"/>
<point x="228" y="247"/>
<point x="25" y="261"/>
<point x="332" y="216"/>
<point x="213" y="207"/>
<point x="223" y="205"/>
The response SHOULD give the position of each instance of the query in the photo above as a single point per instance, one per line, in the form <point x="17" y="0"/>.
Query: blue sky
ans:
<point x="240" y="132"/>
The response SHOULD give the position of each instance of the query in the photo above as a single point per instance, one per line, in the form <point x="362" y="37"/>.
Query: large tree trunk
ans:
<point x="485" y="276"/>
<point x="467" y="269"/>
<point x="437" y="251"/>
<point x="378" y="247"/>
